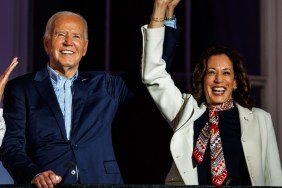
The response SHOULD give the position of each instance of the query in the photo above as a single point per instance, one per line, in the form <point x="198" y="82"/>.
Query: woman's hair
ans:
<point x="51" y="20"/>
<point x="240" y="95"/>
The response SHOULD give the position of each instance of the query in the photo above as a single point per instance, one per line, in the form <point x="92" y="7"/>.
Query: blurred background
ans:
<point x="141" y="136"/>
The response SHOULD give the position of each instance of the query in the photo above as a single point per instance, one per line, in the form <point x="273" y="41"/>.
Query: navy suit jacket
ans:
<point x="35" y="139"/>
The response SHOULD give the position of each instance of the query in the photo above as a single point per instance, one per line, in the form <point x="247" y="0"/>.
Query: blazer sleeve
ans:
<point x="2" y="126"/>
<point x="171" y="40"/>
<point x="132" y="76"/>
<point x="273" y="163"/>
<point x="158" y="81"/>
<point x="13" y="150"/>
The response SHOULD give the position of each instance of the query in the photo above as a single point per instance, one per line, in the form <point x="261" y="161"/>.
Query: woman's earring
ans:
<point x="234" y="88"/>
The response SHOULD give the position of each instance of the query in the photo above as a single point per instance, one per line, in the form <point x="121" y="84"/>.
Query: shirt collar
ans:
<point x="56" y="78"/>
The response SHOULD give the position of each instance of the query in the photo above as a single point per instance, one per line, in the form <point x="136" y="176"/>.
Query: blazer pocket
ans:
<point x="111" y="167"/>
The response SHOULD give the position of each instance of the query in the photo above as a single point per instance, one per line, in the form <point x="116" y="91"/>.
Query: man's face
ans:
<point x="67" y="43"/>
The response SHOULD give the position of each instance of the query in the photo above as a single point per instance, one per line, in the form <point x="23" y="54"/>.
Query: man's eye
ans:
<point x="77" y="36"/>
<point x="59" y="34"/>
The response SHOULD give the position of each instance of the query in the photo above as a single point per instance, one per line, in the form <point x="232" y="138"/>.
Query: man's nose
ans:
<point x="68" y="40"/>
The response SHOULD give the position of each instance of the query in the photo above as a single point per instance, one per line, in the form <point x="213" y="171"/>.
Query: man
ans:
<point x="59" y="119"/>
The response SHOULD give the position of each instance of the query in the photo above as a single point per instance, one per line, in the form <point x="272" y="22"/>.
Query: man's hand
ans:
<point x="170" y="8"/>
<point x="162" y="9"/>
<point x="46" y="179"/>
<point x="5" y="76"/>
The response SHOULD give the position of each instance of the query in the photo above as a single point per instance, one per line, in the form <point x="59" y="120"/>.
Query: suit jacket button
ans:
<point x="73" y="172"/>
<point x="75" y="146"/>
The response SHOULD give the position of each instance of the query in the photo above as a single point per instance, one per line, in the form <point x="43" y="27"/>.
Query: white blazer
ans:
<point x="2" y="126"/>
<point x="181" y="110"/>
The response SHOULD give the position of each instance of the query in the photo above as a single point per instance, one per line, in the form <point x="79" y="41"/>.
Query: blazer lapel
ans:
<point x="250" y="139"/>
<point x="246" y="119"/>
<point x="79" y="98"/>
<point x="46" y="90"/>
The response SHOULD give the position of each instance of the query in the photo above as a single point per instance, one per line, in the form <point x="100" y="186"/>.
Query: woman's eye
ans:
<point x="211" y="72"/>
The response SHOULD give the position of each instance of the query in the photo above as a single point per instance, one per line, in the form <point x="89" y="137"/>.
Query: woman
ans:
<point x="3" y="80"/>
<point x="220" y="138"/>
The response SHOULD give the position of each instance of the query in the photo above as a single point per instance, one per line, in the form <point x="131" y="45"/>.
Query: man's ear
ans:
<point x="45" y="43"/>
<point x="85" y="48"/>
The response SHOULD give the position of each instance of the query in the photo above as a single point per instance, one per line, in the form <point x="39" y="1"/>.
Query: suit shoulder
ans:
<point x="22" y="78"/>
<point x="260" y="112"/>
<point x="97" y="75"/>
<point x="92" y="74"/>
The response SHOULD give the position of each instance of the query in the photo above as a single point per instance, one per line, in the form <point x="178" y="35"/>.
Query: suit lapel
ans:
<point x="79" y="98"/>
<point x="246" y="119"/>
<point x="46" y="90"/>
<point x="250" y="139"/>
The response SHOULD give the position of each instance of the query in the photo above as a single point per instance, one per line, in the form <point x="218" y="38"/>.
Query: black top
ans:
<point x="230" y="133"/>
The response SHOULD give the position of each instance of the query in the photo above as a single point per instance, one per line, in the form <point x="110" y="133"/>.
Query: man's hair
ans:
<point x="51" y="20"/>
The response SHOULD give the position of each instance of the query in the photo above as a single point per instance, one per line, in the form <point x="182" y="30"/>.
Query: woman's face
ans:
<point x="219" y="80"/>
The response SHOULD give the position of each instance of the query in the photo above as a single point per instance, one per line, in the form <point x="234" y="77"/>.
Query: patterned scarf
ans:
<point x="211" y="131"/>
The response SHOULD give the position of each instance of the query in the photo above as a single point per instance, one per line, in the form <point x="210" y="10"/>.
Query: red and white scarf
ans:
<point x="211" y="131"/>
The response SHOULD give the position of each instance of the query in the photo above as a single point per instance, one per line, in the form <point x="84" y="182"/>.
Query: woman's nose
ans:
<point x="218" y="78"/>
